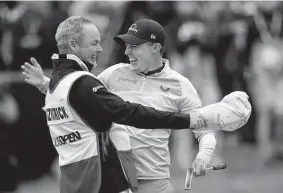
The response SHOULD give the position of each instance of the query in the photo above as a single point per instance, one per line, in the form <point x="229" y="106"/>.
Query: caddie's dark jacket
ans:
<point x="99" y="109"/>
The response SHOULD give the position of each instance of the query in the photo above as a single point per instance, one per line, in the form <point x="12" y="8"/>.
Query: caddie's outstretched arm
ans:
<point x="90" y="98"/>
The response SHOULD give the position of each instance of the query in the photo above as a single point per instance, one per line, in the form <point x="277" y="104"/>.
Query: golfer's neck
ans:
<point x="154" y="65"/>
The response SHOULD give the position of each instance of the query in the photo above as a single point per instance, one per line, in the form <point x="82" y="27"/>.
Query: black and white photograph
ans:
<point x="141" y="96"/>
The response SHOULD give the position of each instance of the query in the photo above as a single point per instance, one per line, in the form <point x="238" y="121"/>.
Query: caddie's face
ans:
<point x="89" y="45"/>
<point x="139" y="56"/>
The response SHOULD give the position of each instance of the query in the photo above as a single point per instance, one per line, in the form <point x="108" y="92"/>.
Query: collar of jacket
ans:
<point x="85" y="66"/>
<point x="64" y="64"/>
<point x="157" y="72"/>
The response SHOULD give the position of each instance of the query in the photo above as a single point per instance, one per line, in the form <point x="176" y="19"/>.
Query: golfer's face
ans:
<point x="139" y="55"/>
<point x="89" y="47"/>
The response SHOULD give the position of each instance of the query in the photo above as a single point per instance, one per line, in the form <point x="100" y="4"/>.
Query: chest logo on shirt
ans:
<point x="163" y="89"/>
<point x="123" y="79"/>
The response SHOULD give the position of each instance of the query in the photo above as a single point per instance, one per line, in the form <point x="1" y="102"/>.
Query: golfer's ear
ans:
<point x="156" y="47"/>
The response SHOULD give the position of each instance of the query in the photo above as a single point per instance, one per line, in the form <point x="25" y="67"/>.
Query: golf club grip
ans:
<point x="189" y="175"/>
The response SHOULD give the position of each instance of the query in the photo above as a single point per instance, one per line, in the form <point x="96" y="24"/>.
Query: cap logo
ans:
<point x="152" y="36"/>
<point x="134" y="28"/>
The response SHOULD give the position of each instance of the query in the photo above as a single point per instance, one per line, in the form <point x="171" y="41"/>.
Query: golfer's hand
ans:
<point x="199" y="167"/>
<point x="33" y="72"/>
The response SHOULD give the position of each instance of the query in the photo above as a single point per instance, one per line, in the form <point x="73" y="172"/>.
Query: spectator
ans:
<point x="9" y="114"/>
<point x="264" y="48"/>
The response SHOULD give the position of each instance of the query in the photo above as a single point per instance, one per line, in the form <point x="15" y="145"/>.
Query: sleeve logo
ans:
<point x="94" y="89"/>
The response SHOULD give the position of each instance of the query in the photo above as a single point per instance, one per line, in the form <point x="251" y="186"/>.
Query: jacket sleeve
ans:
<point x="94" y="102"/>
<point x="206" y="139"/>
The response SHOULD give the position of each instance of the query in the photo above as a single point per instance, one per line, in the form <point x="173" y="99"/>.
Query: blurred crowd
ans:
<point x="220" y="46"/>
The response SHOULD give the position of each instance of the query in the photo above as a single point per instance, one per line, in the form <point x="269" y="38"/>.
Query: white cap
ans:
<point x="230" y="114"/>
<point x="233" y="111"/>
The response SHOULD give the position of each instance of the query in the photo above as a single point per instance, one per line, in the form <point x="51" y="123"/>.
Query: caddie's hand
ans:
<point x="199" y="167"/>
<point x="33" y="72"/>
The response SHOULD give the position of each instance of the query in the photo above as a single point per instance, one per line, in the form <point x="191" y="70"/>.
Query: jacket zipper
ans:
<point x="143" y="82"/>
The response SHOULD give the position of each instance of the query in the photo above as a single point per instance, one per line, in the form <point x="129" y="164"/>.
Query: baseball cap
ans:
<point x="142" y="31"/>
<point x="230" y="114"/>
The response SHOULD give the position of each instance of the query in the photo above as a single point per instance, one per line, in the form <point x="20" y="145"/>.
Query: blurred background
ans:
<point x="220" y="46"/>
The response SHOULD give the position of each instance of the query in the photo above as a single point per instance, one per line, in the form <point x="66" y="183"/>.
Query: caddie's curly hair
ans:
<point x="70" y="28"/>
